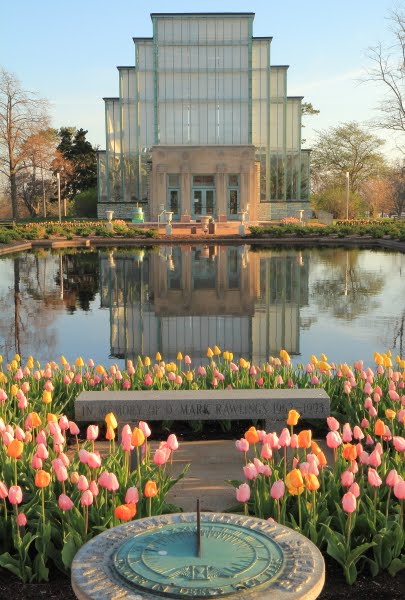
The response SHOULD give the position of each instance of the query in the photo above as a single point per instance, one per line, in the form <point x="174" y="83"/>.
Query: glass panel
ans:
<point x="197" y="202"/>
<point x="233" y="180"/>
<point x="204" y="180"/>
<point x="174" y="201"/>
<point x="233" y="202"/>
<point x="174" y="181"/>
<point x="209" y="202"/>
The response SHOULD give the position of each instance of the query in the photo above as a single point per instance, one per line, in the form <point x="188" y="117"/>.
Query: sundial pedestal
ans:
<point x="238" y="557"/>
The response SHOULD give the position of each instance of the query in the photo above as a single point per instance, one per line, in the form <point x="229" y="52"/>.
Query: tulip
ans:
<point x="293" y="417"/>
<point x="399" y="443"/>
<point x="250" y="471"/>
<point x="311" y="482"/>
<point x="73" y="428"/>
<point x="333" y="439"/>
<point x="295" y="482"/>
<point x="125" y="512"/>
<point x="15" y="449"/>
<point x="150" y="490"/>
<point x="161" y="457"/>
<point x="347" y="434"/>
<point x="138" y="437"/>
<point x="92" y="432"/>
<point x="349" y="502"/>
<point x="82" y="483"/>
<point x="242" y="445"/>
<point x="379" y="428"/>
<point x="144" y="427"/>
<point x="64" y="502"/>
<point x="42" y="478"/>
<point x="374" y="459"/>
<point x="112" y="484"/>
<point x="392" y="478"/>
<point x="349" y="452"/>
<point x="126" y="437"/>
<point x="15" y="494"/>
<point x="21" y="520"/>
<point x="243" y="493"/>
<point x="284" y="439"/>
<point x="277" y="489"/>
<point x="3" y="490"/>
<point x="373" y="478"/>
<point x="86" y="498"/>
<point x="172" y="442"/>
<point x="399" y="489"/>
<point x="333" y="423"/>
<point x="304" y="438"/>
<point x="94" y="460"/>
<point x="347" y="478"/>
<point x="111" y="420"/>
<point x="266" y="452"/>
<point x="251" y="435"/>
<point x="132" y="495"/>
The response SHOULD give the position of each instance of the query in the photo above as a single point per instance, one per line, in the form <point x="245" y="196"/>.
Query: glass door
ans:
<point x="203" y="202"/>
<point x="173" y="203"/>
<point x="233" y="197"/>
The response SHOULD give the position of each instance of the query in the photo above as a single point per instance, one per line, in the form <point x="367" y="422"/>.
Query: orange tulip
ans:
<point x="304" y="438"/>
<point x="311" y="482"/>
<point x="322" y="459"/>
<point x="293" y="417"/>
<point x="15" y="449"/>
<point x="52" y="418"/>
<point x="138" y="437"/>
<point x="35" y="419"/>
<point x="125" y="512"/>
<point x="110" y="433"/>
<point x="252" y="436"/>
<point x="349" y="452"/>
<point x="42" y="478"/>
<point x="379" y="428"/>
<point x="150" y="490"/>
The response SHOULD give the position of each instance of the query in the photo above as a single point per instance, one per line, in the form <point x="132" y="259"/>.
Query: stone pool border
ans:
<point x="288" y="240"/>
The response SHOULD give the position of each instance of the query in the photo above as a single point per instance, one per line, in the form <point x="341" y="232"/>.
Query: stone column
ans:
<point x="220" y="191"/>
<point x="159" y="188"/>
<point x="185" y="191"/>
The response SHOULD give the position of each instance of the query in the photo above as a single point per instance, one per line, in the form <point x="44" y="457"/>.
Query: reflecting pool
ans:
<point x="111" y="305"/>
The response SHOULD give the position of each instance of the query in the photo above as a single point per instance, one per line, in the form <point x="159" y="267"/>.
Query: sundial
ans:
<point x="193" y="555"/>
<point x="199" y="561"/>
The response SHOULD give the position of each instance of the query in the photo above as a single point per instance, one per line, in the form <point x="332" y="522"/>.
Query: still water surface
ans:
<point x="112" y="305"/>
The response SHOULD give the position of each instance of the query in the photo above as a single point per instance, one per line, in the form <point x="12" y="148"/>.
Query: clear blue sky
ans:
<point x="68" y="51"/>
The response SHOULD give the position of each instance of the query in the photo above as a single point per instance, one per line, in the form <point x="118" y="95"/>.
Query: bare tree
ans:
<point x="22" y="114"/>
<point x="389" y="70"/>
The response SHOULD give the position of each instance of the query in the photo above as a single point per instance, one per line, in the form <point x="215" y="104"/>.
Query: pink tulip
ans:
<point x="83" y="456"/>
<point x="171" y="376"/>
<point x="94" y="460"/>
<point x="314" y="380"/>
<point x="279" y="380"/>
<point x="61" y="474"/>
<point x="368" y="389"/>
<point x="369" y="440"/>
<point x="347" y="388"/>
<point x="21" y="519"/>
<point x="144" y="427"/>
<point x="379" y="448"/>
<point x="284" y="439"/>
<point x="260" y="381"/>
<point x="126" y="384"/>
<point x="368" y="403"/>
<point x="201" y="371"/>
<point x="294" y="441"/>
<point x="3" y="490"/>
<point x="132" y="495"/>
<point x="36" y="462"/>
<point x="347" y="435"/>
<point x="266" y="452"/>
<point x="15" y="494"/>
<point x="258" y="465"/>
<point x="399" y="443"/>
<point x="53" y="427"/>
<point x="187" y="360"/>
<point x="93" y="487"/>
<point x="86" y="498"/>
<point x="112" y="484"/>
<point x="243" y="493"/>
<point x="58" y="438"/>
<point x="373" y="478"/>
<point x="399" y="489"/>
<point x="242" y="445"/>
<point x="372" y="411"/>
<point x="364" y="457"/>
<point x="19" y="434"/>
<point x="347" y="478"/>
<point x="148" y="380"/>
<point x="250" y="471"/>
<point x="333" y="439"/>
<point x="272" y="440"/>
<point x="83" y="484"/>
<point x="172" y="442"/>
<point x="234" y="368"/>
<point x="349" y="502"/>
<point x="374" y="459"/>
<point x="64" y="423"/>
<point x="41" y="437"/>
<point x="357" y="433"/>
<point x="179" y="380"/>
<point x="160" y="457"/>
<point x="126" y="437"/>
<point x="364" y="423"/>
<point x="354" y="489"/>
<point x="277" y="489"/>
<point x="304" y="467"/>
<point x="92" y="432"/>
<point x="333" y="423"/>
<point x="267" y="472"/>
<point x="65" y="460"/>
<point x="392" y="478"/>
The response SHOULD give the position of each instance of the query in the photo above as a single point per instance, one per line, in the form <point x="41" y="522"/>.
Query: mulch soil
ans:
<point x="383" y="587"/>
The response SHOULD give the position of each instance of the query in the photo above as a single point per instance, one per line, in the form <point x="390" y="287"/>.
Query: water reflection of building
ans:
<point x="198" y="296"/>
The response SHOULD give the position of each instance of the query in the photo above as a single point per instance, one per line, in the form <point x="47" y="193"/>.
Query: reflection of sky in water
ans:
<point x="346" y="304"/>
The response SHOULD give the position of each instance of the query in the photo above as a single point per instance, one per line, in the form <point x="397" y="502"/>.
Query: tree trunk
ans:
<point x="17" y="303"/>
<point x="13" y="189"/>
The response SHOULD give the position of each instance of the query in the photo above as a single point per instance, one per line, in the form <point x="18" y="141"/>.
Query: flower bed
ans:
<point x="52" y="500"/>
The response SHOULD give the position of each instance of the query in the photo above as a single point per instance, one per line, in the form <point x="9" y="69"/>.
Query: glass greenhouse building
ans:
<point x="203" y="126"/>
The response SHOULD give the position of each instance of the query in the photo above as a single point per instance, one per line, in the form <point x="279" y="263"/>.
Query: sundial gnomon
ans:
<point x="169" y="560"/>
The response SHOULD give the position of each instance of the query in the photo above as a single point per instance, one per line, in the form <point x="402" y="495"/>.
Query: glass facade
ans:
<point x="202" y="81"/>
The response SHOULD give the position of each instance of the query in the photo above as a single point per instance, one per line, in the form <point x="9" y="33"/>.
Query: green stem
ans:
<point x="299" y="512"/>
<point x="149" y="507"/>
<point x="348" y="532"/>
<point x="43" y="505"/>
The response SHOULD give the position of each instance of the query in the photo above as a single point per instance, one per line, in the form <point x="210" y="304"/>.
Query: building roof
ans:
<point x="219" y="14"/>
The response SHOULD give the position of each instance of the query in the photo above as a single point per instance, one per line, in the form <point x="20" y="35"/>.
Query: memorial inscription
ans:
<point x="269" y="405"/>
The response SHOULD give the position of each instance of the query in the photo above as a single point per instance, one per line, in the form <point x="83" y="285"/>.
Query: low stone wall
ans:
<point x="122" y="210"/>
<point x="267" y="211"/>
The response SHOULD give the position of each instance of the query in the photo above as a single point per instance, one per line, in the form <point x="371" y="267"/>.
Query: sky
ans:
<point x="67" y="52"/>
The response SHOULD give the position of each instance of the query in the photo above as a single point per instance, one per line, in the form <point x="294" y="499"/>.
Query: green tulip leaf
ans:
<point x="396" y="566"/>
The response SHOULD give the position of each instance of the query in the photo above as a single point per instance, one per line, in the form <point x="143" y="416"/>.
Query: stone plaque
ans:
<point x="241" y="557"/>
<point x="270" y="405"/>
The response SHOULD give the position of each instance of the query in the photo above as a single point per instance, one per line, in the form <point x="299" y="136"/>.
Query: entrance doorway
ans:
<point x="203" y="202"/>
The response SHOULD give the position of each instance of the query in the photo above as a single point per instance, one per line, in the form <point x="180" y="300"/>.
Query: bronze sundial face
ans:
<point x="165" y="560"/>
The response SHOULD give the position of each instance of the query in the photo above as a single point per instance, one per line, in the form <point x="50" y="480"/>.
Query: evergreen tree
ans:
<point x="80" y="157"/>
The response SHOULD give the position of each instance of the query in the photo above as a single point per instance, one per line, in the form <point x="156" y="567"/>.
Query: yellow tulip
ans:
<point x="311" y="482"/>
<point x="14" y="389"/>
<point x="285" y="357"/>
<point x="14" y="365"/>
<point x="146" y="361"/>
<point x="387" y="361"/>
<point x="378" y="359"/>
<point x="210" y="353"/>
<point x="100" y="369"/>
<point x="79" y="362"/>
<point x="390" y="414"/>
<point x="217" y="351"/>
<point x="179" y="356"/>
<point x="1" y="359"/>
<point x="158" y="356"/>
<point x="111" y="420"/>
<point x="314" y="360"/>
<point x="138" y="437"/>
<point x="17" y="357"/>
<point x="189" y="376"/>
<point x="51" y="418"/>
<point x="46" y="397"/>
<point x="63" y="360"/>
<point x="324" y="357"/>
